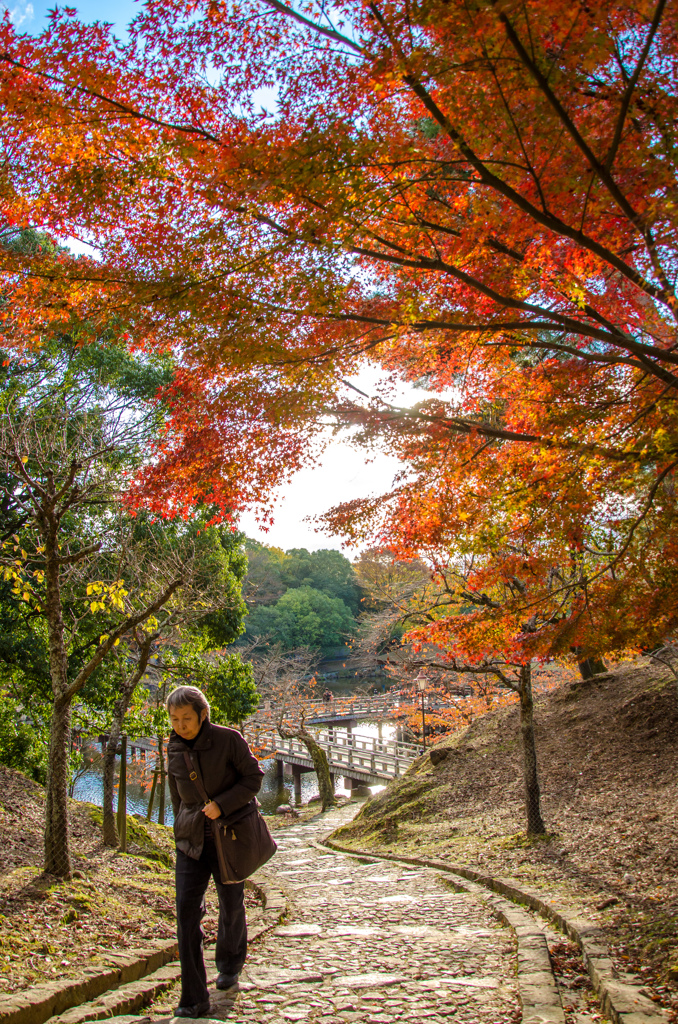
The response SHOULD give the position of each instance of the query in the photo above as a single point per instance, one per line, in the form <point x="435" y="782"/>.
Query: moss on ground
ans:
<point x="154" y="842"/>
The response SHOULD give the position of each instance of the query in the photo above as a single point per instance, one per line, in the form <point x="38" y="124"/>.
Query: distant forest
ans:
<point x="300" y="598"/>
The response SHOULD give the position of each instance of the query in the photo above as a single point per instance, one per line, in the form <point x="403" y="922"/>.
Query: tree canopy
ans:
<point x="300" y="598"/>
<point x="303" y="617"/>
<point x="89" y="590"/>
<point x="479" y="197"/>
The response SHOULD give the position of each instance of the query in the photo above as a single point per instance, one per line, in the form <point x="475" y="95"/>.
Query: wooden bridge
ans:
<point x="365" y="760"/>
<point x="340" y="710"/>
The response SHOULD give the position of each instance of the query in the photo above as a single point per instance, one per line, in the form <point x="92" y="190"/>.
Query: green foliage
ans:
<point x="226" y="681"/>
<point x="22" y="745"/>
<point x="231" y="690"/>
<point x="77" y="381"/>
<point x="303" y="617"/>
<point x="263" y="583"/>
<point x="299" y="597"/>
<point x="229" y="561"/>
<point x="271" y="571"/>
<point x="326" y="570"/>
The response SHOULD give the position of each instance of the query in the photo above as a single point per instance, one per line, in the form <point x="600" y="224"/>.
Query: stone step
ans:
<point x="129" y="998"/>
<point x="42" y="1002"/>
<point x="126" y="999"/>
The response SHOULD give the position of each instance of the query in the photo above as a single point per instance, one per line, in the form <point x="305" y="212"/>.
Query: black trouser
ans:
<point x="192" y="880"/>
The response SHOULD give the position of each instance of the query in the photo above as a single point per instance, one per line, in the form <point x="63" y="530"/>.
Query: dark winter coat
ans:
<point x="230" y="773"/>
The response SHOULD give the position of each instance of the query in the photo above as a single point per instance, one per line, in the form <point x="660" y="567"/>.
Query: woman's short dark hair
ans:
<point x="188" y="695"/>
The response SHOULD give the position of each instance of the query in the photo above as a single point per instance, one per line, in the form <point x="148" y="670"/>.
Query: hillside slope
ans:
<point x="608" y="756"/>
<point x="115" y="902"/>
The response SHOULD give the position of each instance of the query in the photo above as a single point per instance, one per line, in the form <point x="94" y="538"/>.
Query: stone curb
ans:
<point x="128" y="984"/>
<point x="621" y="1001"/>
<point x="129" y="998"/>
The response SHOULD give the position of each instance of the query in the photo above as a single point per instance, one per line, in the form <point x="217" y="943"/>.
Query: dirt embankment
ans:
<point x="51" y="929"/>
<point x="608" y="757"/>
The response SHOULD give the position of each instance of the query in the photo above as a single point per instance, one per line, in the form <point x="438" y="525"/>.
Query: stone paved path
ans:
<point x="371" y="942"/>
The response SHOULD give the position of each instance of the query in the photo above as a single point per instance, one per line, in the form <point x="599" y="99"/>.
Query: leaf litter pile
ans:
<point x="115" y="902"/>
<point x="608" y="763"/>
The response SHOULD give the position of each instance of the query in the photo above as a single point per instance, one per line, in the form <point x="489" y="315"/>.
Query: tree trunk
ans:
<point x="535" y="823"/>
<point x="120" y="709"/>
<point x="161" y="780"/>
<point x="321" y="768"/>
<point x="57" y="847"/>
<point x="591" y="667"/>
<point x="110" y="827"/>
<point x="57" y="852"/>
<point x="320" y="763"/>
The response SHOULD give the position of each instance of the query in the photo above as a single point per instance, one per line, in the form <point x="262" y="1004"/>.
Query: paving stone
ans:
<point x="370" y="946"/>
<point x="370" y="980"/>
<point x="298" y="931"/>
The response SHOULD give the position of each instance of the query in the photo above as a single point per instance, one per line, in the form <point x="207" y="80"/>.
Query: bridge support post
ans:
<point x="279" y="769"/>
<point x="296" y="775"/>
<point x="348" y="784"/>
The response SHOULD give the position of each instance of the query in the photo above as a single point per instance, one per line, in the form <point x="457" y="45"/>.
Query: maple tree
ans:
<point x="285" y="678"/>
<point x="479" y="196"/>
<point x="455" y="633"/>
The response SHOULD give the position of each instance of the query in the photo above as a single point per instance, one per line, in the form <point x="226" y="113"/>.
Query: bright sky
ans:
<point x="343" y="473"/>
<point x="31" y="15"/>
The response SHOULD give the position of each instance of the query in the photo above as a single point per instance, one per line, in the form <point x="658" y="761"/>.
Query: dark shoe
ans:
<point x="199" y="1010"/>
<point x="227" y="981"/>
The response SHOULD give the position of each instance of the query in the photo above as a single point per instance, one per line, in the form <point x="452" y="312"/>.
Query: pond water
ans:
<point x="274" y="791"/>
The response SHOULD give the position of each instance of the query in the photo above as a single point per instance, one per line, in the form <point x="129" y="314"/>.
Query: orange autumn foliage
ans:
<point x="479" y="196"/>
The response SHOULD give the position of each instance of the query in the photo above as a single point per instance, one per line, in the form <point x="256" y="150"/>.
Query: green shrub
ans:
<point x="22" y="745"/>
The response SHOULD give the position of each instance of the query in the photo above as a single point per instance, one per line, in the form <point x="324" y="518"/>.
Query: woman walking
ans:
<point x="210" y="761"/>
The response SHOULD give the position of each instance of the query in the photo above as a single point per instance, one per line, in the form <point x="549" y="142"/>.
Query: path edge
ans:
<point x="623" y="1002"/>
<point x="42" y="1002"/>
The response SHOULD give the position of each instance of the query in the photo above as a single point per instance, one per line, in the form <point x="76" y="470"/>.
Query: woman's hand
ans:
<point x="212" y="810"/>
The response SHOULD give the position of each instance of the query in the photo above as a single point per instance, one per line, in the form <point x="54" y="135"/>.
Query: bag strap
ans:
<point x="196" y="778"/>
<point x="218" y="832"/>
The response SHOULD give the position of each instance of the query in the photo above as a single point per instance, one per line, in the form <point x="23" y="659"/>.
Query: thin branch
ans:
<point x="633" y="81"/>
<point x="337" y="37"/>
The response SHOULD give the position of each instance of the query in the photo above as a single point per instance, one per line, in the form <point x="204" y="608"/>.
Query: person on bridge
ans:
<point x="231" y="774"/>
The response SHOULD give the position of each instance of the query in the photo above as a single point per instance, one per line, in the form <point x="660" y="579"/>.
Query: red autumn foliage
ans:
<point x="478" y="196"/>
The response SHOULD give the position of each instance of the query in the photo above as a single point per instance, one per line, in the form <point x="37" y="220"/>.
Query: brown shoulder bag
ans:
<point x="242" y="840"/>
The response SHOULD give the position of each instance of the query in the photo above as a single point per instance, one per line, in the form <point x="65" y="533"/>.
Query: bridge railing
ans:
<point x="362" y="754"/>
<point x="369" y="744"/>
<point x="388" y="705"/>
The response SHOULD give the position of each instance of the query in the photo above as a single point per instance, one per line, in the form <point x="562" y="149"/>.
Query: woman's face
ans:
<point x="186" y="722"/>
